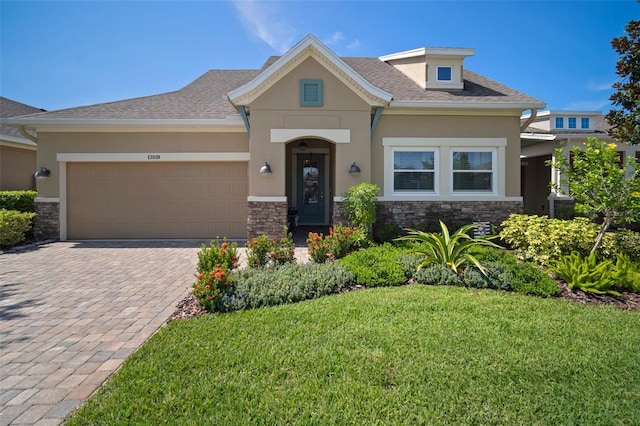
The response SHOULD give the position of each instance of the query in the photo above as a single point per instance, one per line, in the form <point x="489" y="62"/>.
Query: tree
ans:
<point x="625" y="121"/>
<point x="599" y="184"/>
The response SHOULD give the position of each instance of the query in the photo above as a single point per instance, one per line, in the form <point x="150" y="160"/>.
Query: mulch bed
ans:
<point x="189" y="307"/>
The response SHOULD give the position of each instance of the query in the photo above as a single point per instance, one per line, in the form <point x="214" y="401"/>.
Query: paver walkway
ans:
<point x="71" y="312"/>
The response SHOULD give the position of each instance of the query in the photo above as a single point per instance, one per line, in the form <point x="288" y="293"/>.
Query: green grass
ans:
<point x="405" y="355"/>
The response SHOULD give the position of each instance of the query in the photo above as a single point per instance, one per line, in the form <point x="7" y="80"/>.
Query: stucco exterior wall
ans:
<point x="279" y="108"/>
<point x="17" y="167"/>
<point x="452" y="126"/>
<point x="52" y="143"/>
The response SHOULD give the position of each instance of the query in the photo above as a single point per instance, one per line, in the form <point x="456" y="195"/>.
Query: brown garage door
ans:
<point x="156" y="200"/>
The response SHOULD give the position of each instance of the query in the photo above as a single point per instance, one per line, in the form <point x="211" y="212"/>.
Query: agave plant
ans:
<point x="453" y="251"/>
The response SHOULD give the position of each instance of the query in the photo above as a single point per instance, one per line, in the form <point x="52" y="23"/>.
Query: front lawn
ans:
<point x="403" y="355"/>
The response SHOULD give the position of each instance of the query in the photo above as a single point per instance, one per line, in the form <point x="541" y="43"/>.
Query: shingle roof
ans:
<point x="204" y="98"/>
<point x="10" y="108"/>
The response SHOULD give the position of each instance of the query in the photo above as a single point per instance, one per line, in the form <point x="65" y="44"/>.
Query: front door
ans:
<point x="311" y="189"/>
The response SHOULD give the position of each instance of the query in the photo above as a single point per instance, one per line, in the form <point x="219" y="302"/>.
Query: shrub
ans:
<point x="626" y="274"/>
<point x="21" y="201"/>
<point x="438" y="274"/>
<point x="341" y="241"/>
<point x="526" y="278"/>
<point x="586" y="274"/>
<point x="453" y="251"/>
<point x="284" y="284"/>
<point x="13" y="226"/>
<point x="213" y="277"/>
<point x="541" y="240"/>
<point x="376" y="266"/>
<point x="359" y="203"/>
<point x="262" y="251"/>
<point x="386" y="232"/>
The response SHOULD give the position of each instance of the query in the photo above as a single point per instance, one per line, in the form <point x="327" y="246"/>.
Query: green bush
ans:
<point x="586" y="274"/>
<point x="341" y="241"/>
<point x="376" y="266"/>
<point x="21" y="201"/>
<point x="213" y="277"/>
<point x="13" y="226"/>
<point x="438" y="274"/>
<point x="386" y="232"/>
<point x="541" y="240"/>
<point x="262" y="251"/>
<point x="288" y="283"/>
<point x="359" y="204"/>
<point x="626" y="274"/>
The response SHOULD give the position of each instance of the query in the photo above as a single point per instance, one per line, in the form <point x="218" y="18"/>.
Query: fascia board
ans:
<point x="537" y="136"/>
<point x="306" y="47"/>
<point x="461" y="52"/>
<point x="7" y="140"/>
<point x="466" y="105"/>
<point x="159" y="125"/>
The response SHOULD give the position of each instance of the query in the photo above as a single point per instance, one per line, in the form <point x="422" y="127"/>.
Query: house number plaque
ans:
<point x="153" y="156"/>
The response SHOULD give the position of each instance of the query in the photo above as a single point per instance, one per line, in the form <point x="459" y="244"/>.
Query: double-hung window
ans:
<point x="473" y="171"/>
<point x="584" y="123"/>
<point x="414" y="170"/>
<point x="559" y="122"/>
<point x="572" y="122"/>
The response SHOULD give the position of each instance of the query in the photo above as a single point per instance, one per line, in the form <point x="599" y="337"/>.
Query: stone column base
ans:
<point x="267" y="218"/>
<point x="46" y="225"/>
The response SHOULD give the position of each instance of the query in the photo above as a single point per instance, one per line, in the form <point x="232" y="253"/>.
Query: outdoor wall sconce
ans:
<point x="43" y="173"/>
<point x="302" y="146"/>
<point x="354" y="169"/>
<point x="266" y="169"/>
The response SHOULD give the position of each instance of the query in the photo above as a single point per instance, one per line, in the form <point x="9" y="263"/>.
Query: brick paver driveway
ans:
<point x="71" y="312"/>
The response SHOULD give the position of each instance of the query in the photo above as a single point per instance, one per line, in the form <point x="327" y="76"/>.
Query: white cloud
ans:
<point x="595" y="105"/>
<point x="599" y="87"/>
<point x="264" y="20"/>
<point x="354" y="44"/>
<point x="334" y="38"/>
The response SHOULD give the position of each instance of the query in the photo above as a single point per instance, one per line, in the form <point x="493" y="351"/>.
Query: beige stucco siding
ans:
<point x="279" y="108"/>
<point x="17" y="167"/>
<point x="52" y="143"/>
<point x="453" y="126"/>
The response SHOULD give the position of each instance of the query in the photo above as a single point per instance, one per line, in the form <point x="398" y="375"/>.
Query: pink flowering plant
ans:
<point x="213" y="276"/>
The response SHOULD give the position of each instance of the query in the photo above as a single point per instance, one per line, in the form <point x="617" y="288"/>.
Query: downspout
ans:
<point x="376" y="118"/>
<point x="243" y="113"/>
<point x="534" y="114"/>
<point x="23" y="131"/>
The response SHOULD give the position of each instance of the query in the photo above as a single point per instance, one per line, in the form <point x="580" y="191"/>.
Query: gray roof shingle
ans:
<point x="10" y="108"/>
<point x="204" y="98"/>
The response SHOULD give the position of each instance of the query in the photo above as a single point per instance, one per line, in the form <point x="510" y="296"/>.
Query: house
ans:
<point x="546" y="131"/>
<point x="17" y="150"/>
<point x="230" y="153"/>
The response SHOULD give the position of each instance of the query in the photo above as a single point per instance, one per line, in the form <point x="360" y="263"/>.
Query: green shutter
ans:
<point x="310" y="92"/>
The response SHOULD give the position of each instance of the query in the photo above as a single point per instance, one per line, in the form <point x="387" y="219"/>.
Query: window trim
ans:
<point x="494" y="170"/>
<point x="310" y="82"/>
<point x="435" y="171"/>
<point x="582" y="122"/>
<point x="572" y="123"/>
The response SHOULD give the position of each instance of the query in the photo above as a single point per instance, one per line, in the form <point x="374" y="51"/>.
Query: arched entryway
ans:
<point x="310" y="181"/>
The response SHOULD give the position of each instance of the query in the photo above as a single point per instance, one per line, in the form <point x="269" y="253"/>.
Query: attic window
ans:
<point x="444" y="73"/>
<point x="311" y="92"/>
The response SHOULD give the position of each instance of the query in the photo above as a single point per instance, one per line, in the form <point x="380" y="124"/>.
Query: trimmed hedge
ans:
<point x="22" y="201"/>
<point x="13" y="226"/>
<point x="377" y="266"/>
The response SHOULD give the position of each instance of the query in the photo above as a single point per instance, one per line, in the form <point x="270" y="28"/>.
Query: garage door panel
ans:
<point x="156" y="200"/>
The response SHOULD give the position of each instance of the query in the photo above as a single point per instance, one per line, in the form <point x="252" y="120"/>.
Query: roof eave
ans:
<point x="467" y="105"/>
<point x="35" y="124"/>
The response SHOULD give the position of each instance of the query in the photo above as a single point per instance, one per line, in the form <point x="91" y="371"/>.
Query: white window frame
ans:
<point x="494" y="170"/>
<point x="435" y="171"/>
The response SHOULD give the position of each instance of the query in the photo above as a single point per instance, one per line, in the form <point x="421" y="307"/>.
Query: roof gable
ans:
<point x="309" y="47"/>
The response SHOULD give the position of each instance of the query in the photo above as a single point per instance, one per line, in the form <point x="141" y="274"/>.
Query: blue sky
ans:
<point x="58" y="54"/>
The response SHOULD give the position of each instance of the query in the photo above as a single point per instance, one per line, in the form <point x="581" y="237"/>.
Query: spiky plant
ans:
<point x="451" y="250"/>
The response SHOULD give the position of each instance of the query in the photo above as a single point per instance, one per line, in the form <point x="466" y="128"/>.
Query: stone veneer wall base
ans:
<point x="46" y="225"/>
<point x="410" y="213"/>
<point x="266" y="218"/>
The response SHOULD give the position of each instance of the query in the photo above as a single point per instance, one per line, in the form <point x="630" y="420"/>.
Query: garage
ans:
<point x="157" y="200"/>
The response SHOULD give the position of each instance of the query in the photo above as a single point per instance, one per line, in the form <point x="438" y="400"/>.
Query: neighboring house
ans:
<point x="545" y="132"/>
<point x="17" y="151"/>
<point x="233" y="151"/>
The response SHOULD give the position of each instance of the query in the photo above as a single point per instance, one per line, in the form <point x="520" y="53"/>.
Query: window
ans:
<point x="559" y="122"/>
<point x="572" y="122"/>
<point x="310" y="92"/>
<point x="414" y="171"/>
<point x="444" y="73"/>
<point x="473" y="171"/>
<point x="584" y="123"/>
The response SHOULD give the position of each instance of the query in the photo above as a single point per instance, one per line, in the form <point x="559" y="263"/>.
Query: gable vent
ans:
<point x="310" y="92"/>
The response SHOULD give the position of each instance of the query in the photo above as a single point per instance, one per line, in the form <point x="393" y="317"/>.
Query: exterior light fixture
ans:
<point x="43" y="173"/>
<point x="354" y="169"/>
<point x="266" y="169"/>
<point x="302" y="146"/>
